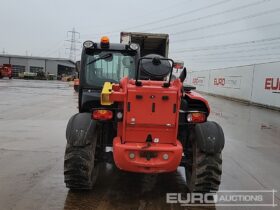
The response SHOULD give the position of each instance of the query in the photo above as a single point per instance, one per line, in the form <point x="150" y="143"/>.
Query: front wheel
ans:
<point x="203" y="171"/>
<point x="81" y="167"/>
<point x="204" y="166"/>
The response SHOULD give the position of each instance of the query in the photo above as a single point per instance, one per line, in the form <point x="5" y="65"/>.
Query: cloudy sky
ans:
<point x="204" y="33"/>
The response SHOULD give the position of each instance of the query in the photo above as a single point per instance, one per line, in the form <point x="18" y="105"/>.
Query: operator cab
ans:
<point x="104" y="62"/>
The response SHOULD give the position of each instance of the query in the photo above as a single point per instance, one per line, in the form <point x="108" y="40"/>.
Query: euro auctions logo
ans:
<point x="236" y="198"/>
<point x="219" y="81"/>
<point x="272" y="84"/>
<point x="198" y="81"/>
<point x="232" y="82"/>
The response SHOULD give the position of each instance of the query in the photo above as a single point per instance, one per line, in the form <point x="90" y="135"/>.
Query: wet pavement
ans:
<point x="33" y="118"/>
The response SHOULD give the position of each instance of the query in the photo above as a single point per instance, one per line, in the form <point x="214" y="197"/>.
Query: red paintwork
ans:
<point x="140" y="121"/>
<point x="6" y="70"/>
<point x="197" y="96"/>
<point x="141" y="164"/>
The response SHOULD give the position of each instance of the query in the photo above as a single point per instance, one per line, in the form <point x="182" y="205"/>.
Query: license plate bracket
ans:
<point x="148" y="154"/>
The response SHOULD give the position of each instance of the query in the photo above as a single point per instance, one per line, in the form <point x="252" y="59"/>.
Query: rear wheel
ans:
<point x="80" y="168"/>
<point x="203" y="171"/>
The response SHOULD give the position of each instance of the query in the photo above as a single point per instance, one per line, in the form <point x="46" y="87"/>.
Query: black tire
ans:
<point x="80" y="168"/>
<point x="203" y="171"/>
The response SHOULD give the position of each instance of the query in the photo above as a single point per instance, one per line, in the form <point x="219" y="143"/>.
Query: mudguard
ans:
<point x="196" y="98"/>
<point x="80" y="129"/>
<point x="210" y="137"/>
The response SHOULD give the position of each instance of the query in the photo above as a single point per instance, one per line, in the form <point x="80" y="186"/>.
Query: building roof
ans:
<point x="37" y="57"/>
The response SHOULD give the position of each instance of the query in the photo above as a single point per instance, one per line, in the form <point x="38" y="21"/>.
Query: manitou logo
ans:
<point x="219" y="81"/>
<point x="272" y="83"/>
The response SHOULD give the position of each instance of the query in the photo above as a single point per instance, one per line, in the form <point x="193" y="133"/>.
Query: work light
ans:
<point x="88" y="44"/>
<point x="133" y="46"/>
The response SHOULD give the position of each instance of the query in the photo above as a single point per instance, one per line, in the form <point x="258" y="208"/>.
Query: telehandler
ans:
<point x="131" y="114"/>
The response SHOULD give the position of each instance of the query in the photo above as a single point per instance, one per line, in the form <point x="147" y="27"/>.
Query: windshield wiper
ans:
<point x="101" y="57"/>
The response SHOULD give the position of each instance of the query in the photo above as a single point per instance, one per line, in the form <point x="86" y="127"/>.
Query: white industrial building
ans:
<point x="56" y="66"/>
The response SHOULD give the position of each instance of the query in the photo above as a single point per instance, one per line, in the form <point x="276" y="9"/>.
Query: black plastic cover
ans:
<point x="154" y="69"/>
<point x="210" y="137"/>
<point x="80" y="129"/>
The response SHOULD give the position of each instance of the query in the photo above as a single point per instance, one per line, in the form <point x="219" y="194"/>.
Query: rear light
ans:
<point x="102" y="114"/>
<point x="196" y="117"/>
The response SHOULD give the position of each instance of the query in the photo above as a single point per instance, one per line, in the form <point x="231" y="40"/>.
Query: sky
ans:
<point x="205" y="34"/>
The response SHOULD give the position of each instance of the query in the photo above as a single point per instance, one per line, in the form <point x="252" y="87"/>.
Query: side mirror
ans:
<point x="183" y="75"/>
